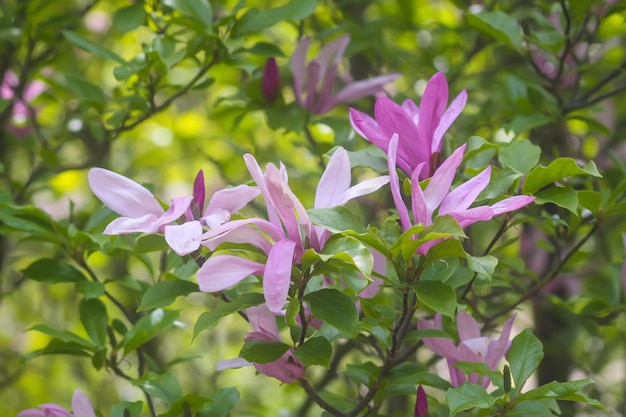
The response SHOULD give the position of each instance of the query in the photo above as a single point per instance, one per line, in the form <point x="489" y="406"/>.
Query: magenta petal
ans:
<point x="369" y="129"/>
<point x="447" y="119"/>
<point x="185" y="238"/>
<point x="220" y="272"/>
<point x="362" y="88"/>
<point x="287" y="369"/>
<point x="476" y="214"/>
<point x="465" y="194"/>
<point x="335" y="180"/>
<point x="126" y="225"/>
<point x="33" y="412"/>
<point x="418" y="206"/>
<point x="199" y="189"/>
<point x="394" y="183"/>
<point x="81" y="406"/>
<point x="421" y="403"/>
<point x="432" y="106"/>
<point x="277" y="276"/>
<point x="122" y="195"/>
<point x="411" y="109"/>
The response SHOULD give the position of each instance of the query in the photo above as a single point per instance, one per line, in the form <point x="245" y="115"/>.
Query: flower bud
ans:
<point x="271" y="81"/>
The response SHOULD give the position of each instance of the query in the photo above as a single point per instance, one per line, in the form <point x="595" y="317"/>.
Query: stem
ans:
<point x="314" y="147"/>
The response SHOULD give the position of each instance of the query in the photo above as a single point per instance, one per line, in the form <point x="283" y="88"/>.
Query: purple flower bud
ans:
<point x="199" y="190"/>
<point x="421" y="405"/>
<point x="271" y="80"/>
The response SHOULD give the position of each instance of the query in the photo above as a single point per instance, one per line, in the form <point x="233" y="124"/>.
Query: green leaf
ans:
<point x="315" y="351"/>
<point x="94" y="318"/>
<point x="565" y="197"/>
<point x="499" y="26"/>
<point x="437" y="296"/>
<point x="148" y="327"/>
<point x="468" y="396"/>
<point x="336" y="219"/>
<point x="255" y="20"/>
<point x="63" y="335"/>
<point x="198" y="10"/>
<point x="265" y="49"/>
<point x="334" y="308"/>
<point x="521" y="155"/>
<point x="152" y="242"/>
<point x="484" y="266"/>
<point x="564" y="391"/>
<point x="126" y="409"/>
<point x="163" y="293"/>
<point x="221" y="402"/>
<point x="191" y="402"/>
<point x="349" y="250"/>
<point x="263" y="352"/>
<point x="208" y="320"/>
<point x="92" y="47"/>
<point x="129" y="18"/>
<point x="480" y="368"/>
<point x="524" y="357"/>
<point x="53" y="271"/>
<point x="85" y="91"/>
<point x="89" y="289"/>
<point x="524" y="122"/>
<point x="164" y="386"/>
<point x="558" y="169"/>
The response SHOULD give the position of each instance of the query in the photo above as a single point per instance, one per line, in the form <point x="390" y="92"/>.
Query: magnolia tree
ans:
<point x="163" y="253"/>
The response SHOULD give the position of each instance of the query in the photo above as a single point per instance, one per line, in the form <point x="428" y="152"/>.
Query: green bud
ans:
<point x="507" y="379"/>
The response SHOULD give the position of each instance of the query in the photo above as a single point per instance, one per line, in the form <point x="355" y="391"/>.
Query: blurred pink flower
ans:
<point x="313" y="82"/>
<point x="80" y="405"/>
<point x="473" y="347"/>
<point x="21" y="111"/>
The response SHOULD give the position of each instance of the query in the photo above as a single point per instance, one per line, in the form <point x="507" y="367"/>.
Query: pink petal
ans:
<point x="363" y="188"/>
<point x="439" y="185"/>
<point x="179" y="206"/>
<point x="369" y="129"/>
<point x="362" y="88"/>
<point x="220" y="272"/>
<point x="185" y="238"/>
<point x="286" y="369"/>
<point x="467" y="326"/>
<point x="261" y="319"/>
<point x="418" y="206"/>
<point x="499" y="348"/>
<point x="511" y="204"/>
<point x="394" y="182"/>
<point x="240" y="231"/>
<point x="298" y="67"/>
<point x="282" y="199"/>
<point x="122" y="195"/>
<point x="447" y="119"/>
<point x="277" y="276"/>
<point x="465" y="194"/>
<point x="232" y="199"/>
<point x="259" y="179"/>
<point x="81" y="406"/>
<point x="335" y="180"/>
<point x="432" y="106"/>
<point x="231" y="363"/>
<point x="411" y="109"/>
<point x="470" y="216"/>
<point x="332" y="53"/>
<point x="126" y="225"/>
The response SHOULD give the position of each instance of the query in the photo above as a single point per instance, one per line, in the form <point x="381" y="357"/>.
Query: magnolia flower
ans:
<point x="473" y="347"/>
<point x="270" y="84"/>
<point x="287" y="368"/>
<point x="313" y="82"/>
<point x="420" y="131"/>
<point x="286" y="234"/>
<point x="80" y="405"/>
<point x="21" y="111"/>
<point x="139" y="208"/>
<point x="438" y="197"/>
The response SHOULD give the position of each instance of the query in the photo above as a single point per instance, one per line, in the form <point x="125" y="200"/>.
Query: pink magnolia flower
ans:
<point x="287" y="233"/>
<point x="287" y="368"/>
<point x="139" y="208"/>
<point x="313" y="82"/>
<point x="420" y="131"/>
<point x="80" y="405"/>
<point x="21" y="111"/>
<point x="438" y="197"/>
<point x="270" y="84"/>
<point x="473" y="347"/>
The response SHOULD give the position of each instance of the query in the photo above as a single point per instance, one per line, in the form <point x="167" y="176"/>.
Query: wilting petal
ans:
<point x="232" y="199"/>
<point x="122" y="195"/>
<point x="465" y="194"/>
<point x="126" y="225"/>
<point x="277" y="276"/>
<point x="185" y="238"/>
<point x="450" y="115"/>
<point x="394" y="182"/>
<point x="220" y="272"/>
<point x="335" y="180"/>
<point x="511" y="204"/>
<point x="81" y="406"/>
